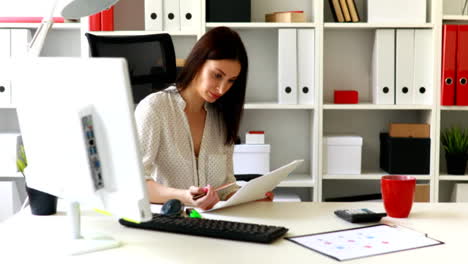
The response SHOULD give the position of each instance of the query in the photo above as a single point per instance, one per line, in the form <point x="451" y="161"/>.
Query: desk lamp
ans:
<point x="72" y="10"/>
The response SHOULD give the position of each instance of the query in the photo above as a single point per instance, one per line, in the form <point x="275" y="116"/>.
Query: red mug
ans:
<point x="398" y="194"/>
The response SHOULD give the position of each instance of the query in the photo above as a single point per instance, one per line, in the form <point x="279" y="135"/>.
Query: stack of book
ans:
<point x="344" y="10"/>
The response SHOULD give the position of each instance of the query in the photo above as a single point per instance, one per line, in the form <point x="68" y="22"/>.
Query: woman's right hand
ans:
<point x="207" y="201"/>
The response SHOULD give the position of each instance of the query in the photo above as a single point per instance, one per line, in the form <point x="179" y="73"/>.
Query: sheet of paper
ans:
<point x="366" y="241"/>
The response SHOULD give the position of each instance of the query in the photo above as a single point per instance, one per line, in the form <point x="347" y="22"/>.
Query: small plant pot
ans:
<point x="41" y="203"/>
<point x="456" y="163"/>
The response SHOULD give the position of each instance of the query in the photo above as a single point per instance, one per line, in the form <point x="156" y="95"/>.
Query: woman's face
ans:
<point x="215" y="78"/>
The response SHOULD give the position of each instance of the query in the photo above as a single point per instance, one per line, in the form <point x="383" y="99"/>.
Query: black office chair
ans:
<point x="150" y="58"/>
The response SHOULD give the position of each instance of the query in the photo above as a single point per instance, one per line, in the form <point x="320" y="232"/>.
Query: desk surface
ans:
<point x="31" y="237"/>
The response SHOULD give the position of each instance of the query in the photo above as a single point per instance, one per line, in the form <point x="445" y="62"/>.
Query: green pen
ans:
<point x="193" y="213"/>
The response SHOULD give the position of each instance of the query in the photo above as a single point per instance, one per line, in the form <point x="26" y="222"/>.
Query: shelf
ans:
<point x="455" y="18"/>
<point x="297" y="180"/>
<point x="369" y="106"/>
<point x="36" y="25"/>
<point x="366" y="25"/>
<point x="7" y="107"/>
<point x="276" y="106"/>
<point x="454" y="108"/>
<point x="8" y="177"/>
<point x="141" y="32"/>
<point x="261" y="25"/>
<point x="367" y="176"/>
<point x="448" y="177"/>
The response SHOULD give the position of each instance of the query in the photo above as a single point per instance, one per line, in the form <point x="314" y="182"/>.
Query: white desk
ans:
<point x="25" y="236"/>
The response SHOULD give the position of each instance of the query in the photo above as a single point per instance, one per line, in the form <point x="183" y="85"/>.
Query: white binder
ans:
<point x="5" y="87"/>
<point x="4" y="43"/>
<point x="5" y="93"/>
<point x="154" y="15"/>
<point x="190" y="15"/>
<point x="383" y="67"/>
<point x="404" y="70"/>
<point x="171" y="15"/>
<point x="20" y="39"/>
<point x="287" y="66"/>
<point x="306" y="63"/>
<point x="423" y="88"/>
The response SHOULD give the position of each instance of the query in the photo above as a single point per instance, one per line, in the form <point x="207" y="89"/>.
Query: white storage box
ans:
<point x="396" y="11"/>
<point x="255" y="137"/>
<point x="342" y="154"/>
<point x="282" y="195"/>
<point x="251" y="159"/>
<point x="8" y="153"/>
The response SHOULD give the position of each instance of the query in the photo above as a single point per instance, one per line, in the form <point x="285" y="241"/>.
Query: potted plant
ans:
<point x="455" y="142"/>
<point x="41" y="203"/>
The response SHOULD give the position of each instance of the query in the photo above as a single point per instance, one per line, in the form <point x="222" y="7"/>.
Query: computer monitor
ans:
<point x="78" y="129"/>
<point x="151" y="59"/>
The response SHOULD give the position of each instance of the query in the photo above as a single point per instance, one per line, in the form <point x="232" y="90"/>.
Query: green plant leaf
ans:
<point x="455" y="140"/>
<point x="21" y="162"/>
<point x="21" y="166"/>
<point x="23" y="155"/>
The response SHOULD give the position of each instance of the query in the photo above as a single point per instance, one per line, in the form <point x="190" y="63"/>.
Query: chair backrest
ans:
<point x="150" y="58"/>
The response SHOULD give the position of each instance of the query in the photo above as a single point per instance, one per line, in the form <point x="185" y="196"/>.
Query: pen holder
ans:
<point x="41" y="203"/>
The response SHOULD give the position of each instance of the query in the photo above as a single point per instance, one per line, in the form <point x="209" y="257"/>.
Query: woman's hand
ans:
<point x="207" y="201"/>
<point x="268" y="197"/>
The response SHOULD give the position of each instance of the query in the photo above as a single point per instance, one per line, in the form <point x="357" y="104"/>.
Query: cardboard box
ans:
<point x="460" y="193"/>
<point x="286" y="17"/>
<point x="410" y="130"/>
<point x="421" y="194"/>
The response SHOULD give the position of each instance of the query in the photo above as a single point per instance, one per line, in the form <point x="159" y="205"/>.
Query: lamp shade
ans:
<point x="81" y="8"/>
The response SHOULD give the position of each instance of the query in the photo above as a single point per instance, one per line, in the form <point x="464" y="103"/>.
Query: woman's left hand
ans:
<point x="268" y="197"/>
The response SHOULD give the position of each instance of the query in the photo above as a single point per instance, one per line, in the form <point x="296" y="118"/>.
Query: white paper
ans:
<point x="363" y="242"/>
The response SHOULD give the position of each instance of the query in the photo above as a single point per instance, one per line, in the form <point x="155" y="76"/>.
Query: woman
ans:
<point x="187" y="132"/>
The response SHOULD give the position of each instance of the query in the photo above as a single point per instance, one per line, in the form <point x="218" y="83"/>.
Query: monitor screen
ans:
<point x="78" y="129"/>
<point x="150" y="59"/>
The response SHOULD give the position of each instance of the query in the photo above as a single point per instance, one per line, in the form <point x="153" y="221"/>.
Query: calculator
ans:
<point x="359" y="215"/>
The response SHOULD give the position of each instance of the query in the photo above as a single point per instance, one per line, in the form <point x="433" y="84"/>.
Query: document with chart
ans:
<point x="364" y="241"/>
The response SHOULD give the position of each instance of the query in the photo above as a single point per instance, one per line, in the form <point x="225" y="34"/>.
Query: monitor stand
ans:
<point x="81" y="245"/>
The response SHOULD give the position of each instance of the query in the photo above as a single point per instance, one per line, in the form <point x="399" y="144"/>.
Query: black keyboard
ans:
<point x="211" y="228"/>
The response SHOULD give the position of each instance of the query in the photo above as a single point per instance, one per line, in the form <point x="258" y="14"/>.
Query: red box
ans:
<point x="346" y="97"/>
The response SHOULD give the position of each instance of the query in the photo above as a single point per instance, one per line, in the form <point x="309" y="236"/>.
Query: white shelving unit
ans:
<point x="343" y="53"/>
<point x="70" y="25"/>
